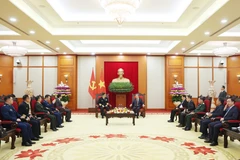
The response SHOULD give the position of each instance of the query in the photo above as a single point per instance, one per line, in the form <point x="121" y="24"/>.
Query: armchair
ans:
<point x="143" y="109"/>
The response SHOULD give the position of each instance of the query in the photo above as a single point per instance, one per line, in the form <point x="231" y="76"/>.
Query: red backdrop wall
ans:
<point x="130" y="72"/>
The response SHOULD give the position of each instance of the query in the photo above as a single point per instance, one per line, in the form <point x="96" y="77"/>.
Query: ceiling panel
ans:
<point x="6" y="31"/>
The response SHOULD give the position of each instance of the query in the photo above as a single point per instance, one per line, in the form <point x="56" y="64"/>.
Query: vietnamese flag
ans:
<point x="92" y="86"/>
<point x="101" y="84"/>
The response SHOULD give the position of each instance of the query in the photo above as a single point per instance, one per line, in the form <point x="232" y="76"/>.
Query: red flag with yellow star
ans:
<point x="92" y="86"/>
<point x="101" y="84"/>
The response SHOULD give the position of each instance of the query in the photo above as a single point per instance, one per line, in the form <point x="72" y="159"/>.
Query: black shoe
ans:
<point x="187" y="129"/>
<point x="31" y="142"/>
<point x="35" y="139"/>
<point x="69" y="121"/>
<point x="39" y="137"/>
<point x="214" y="144"/>
<point x="202" y="137"/>
<point x="26" y="144"/>
<point x="137" y="117"/>
<point x="60" y="126"/>
<point x="54" y="129"/>
<point x="208" y="141"/>
<point x="170" y="121"/>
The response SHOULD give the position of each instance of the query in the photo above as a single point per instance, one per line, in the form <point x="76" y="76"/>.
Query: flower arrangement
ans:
<point x="120" y="87"/>
<point x="64" y="90"/>
<point x="177" y="91"/>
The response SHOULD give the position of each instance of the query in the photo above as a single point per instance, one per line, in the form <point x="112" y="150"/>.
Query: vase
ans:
<point x="64" y="103"/>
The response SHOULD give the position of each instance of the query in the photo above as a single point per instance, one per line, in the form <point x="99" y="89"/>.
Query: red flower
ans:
<point x="188" y="144"/>
<point x="115" y="136"/>
<point x="143" y="137"/>
<point x="49" y="144"/>
<point x="202" y="150"/>
<point x="164" y="139"/>
<point x="95" y="137"/>
<point x="67" y="140"/>
<point x="31" y="154"/>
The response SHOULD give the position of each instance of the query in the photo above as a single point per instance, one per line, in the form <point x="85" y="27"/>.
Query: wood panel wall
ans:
<point x="233" y="69"/>
<point x="6" y="69"/>
<point x="142" y="68"/>
<point x="68" y="65"/>
<point x="174" y="66"/>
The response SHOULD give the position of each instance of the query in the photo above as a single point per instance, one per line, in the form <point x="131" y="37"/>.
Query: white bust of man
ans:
<point x="120" y="77"/>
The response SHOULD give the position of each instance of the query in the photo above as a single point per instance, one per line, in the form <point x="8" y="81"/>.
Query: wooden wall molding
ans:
<point x="6" y="69"/>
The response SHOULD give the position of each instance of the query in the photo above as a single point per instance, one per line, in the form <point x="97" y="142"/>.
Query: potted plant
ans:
<point x="177" y="91"/>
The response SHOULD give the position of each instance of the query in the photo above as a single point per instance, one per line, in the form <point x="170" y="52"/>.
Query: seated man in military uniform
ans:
<point x="103" y="104"/>
<point x="10" y="114"/>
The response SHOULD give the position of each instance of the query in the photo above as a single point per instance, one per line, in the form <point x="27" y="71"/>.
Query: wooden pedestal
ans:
<point x="121" y="100"/>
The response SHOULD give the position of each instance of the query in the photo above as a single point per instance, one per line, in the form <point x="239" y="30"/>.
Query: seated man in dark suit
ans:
<point x="62" y="108"/>
<point x="103" y="104"/>
<point x="137" y="104"/>
<point x="24" y="111"/>
<point x="53" y="110"/>
<point x="230" y="113"/>
<point x="200" y="108"/>
<point x="179" y="108"/>
<point x="39" y="108"/>
<point x="223" y="93"/>
<point x="218" y="111"/>
<point x="9" y="113"/>
<point x="190" y="107"/>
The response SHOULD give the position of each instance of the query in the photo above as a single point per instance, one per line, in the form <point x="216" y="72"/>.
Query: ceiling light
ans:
<point x="199" y="54"/>
<point x="148" y="53"/>
<point x="57" y="48"/>
<point x="120" y="9"/>
<point x="64" y="53"/>
<point x="183" y="49"/>
<point x="12" y="19"/>
<point x="14" y="50"/>
<point x="225" y="51"/>
<point x="207" y="33"/>
<point x="42" y="53"/>
<point x="47" y="42"/>
<point x="32" y="32"/>
<point x="121" y="53"/>
<point x="93" y="53"/>
<point x="192" y="43"/>
<point x="223" y="21"/>
<point x="176" y="53"/>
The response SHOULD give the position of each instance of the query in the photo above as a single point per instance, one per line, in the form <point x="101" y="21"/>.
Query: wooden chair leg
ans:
<point x="13" y="141"/>
<point x="45" y="126"/>
<point x="196" y="124"/>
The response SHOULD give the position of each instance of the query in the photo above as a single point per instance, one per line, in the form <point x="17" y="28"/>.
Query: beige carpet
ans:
<point x="152" y="138"/>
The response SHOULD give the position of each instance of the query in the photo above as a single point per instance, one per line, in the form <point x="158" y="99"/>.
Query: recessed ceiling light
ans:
<point x="32" y="32"/>
<point x="183" y="49"/>
<point x="42" y="53"/>
<point x="192" y="43"/>
<point x="148" y="53"/>
<point x="12" y="19"/>
<point x="121" y="53"/>
<point x="176" y="53"/>
<point x="93" y="53"/>
<point x="224" y="21"/>
<point x="64" y="53"/>
<point x="57" y="48"/>
<point x="199" y="54"/>
<point x="207" y="33"/>
<point x="47" y="42"/>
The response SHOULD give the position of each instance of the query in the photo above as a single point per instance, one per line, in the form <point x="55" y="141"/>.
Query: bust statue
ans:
<point x="120" y="77"/>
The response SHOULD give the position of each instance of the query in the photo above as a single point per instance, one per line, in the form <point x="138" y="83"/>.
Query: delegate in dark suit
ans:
<point x="53" y="110"/>
<point x="200" y="108"/>
<point x="222" y="94"/>
<point x="9" y="113"/>
<point x="23" y="109"/>
<point x="103" y="104"/>
<point x="39" y="108"/>
<point x="59" y="105"/>
<point x="137" y="104"/>
<point x="179" y="108"/>
<point x="190" y="107"/>
<point x="230" y="113"/>
<point x="218" y="111"/>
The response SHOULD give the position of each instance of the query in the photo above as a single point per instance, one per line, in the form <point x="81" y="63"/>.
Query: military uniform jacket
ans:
<point x="9" y="113"/>
<point x="23" y="109"/>
<point x="103" y="101"/>
<point x="200" y="108"/>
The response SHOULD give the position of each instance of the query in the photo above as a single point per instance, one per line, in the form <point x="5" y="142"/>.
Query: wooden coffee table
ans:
<point x="120" y="115"/>
<point x="233" y="135"/>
